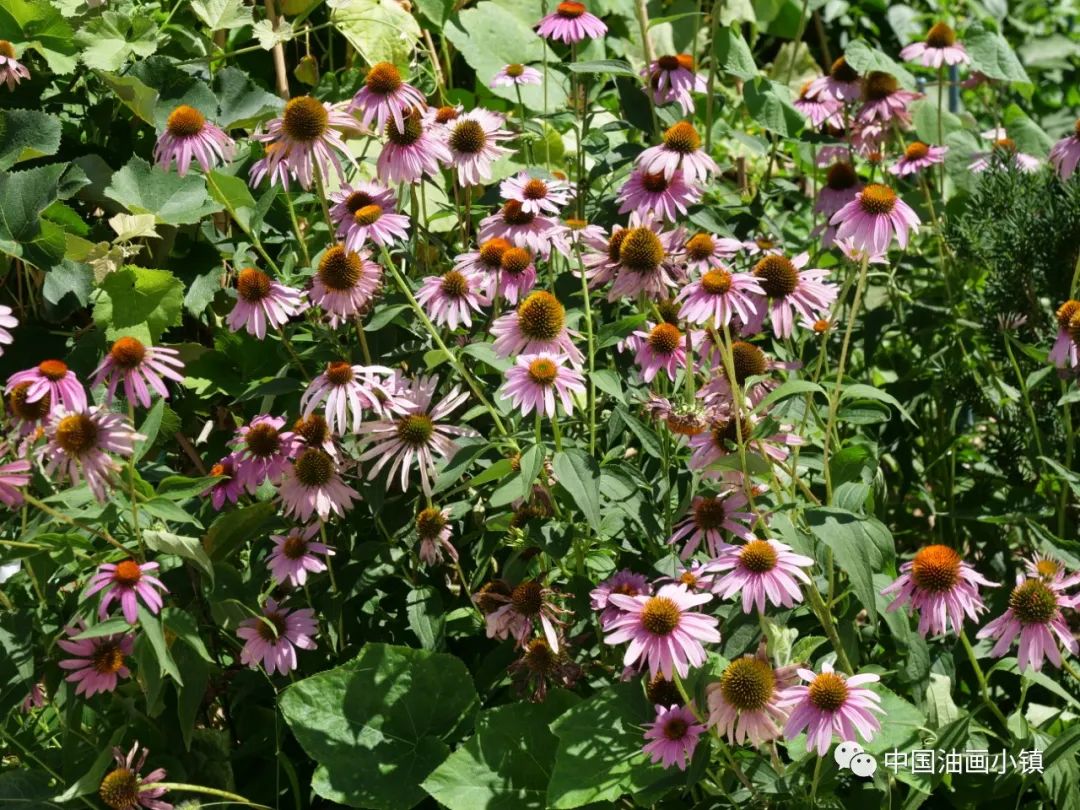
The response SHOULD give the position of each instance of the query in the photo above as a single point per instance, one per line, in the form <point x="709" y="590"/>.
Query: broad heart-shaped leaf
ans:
<point x="135" y="95"/>
<point x="172" y="199"/>
<point x="37" y="25"/>
<point x="109" y="40"/>
<point x="992" y="56"/>
<point x="219" y="15"/>
<point x="241" y="102"/>
<point x="27" y="134"/>
<point x="580" y="477"/>
<point x="381" y="30"/>
<point x="733" y="54"/>
<point x="770" y="105"/>
<point x="25" y="194"/>
<point x="861" y="546"/>
<point x="599" y="756"/>
<point x="506" y="765"/>
<point x="139" y="302"/>
<point x="380" y="724"/>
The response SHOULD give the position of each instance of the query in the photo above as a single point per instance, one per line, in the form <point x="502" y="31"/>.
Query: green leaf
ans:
<point x="609" y="67"/>
<point x="180" y="487"/>
<point x="25" y="195"/>
<point x="804" y="648"/>
<point x="436" y="11"/>
<point x="769" y="103"/>
<point x="733" y="54"/>
<point x="861" y="546"/>
<point x="241" y="102"/>
<point x="381" y="30"/>
<point x="507" y="764"/>
<point x="234" y="195"/>
<point x="863" y="391"/>
<point x="865" y="60"/>
<point x="578" y="474"/>
<point x="172" y="199"/>
<point x="27" y="134"/>
<point x="380" y="724"/>
<point x="135" y="95"/>
<point x="149" y="429"/>
<point x="189" y="699"/>
<point x="789" y="389"/>
<point x="37" y="25"/>
<point x="110" y="627"/>
<point x="599" y="756"/>
<point x="187" y="547"/>
<point x="173" y="87"/>
<point x="608" y="381"/>
<point x="924" y="116"/>
<point x="426" y="617"/>
<point x="992" y="56"/>
<point x="1067" y="746"/>
<point x="111" y="39"/>
<point x="233" y="528"/>
<point x="151" y="627"/>
<point x="221" y="15"/>
<point x="140" y="301"/>
<point x="90" y="781"/>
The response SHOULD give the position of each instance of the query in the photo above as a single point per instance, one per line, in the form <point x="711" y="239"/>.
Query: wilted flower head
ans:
<point x="124" y="788"/>
<point x="12" y="71"/>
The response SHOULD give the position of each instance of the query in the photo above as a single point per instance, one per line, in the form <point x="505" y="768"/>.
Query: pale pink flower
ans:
<point x="79" y="444"/>
<point x="34" y="699"/>
<point x="1003" y="152"/>
<point x="842" y="83"/>
<point x="647" y="260"/>
<point x="721" y="296"/>
<point x="368" y="211"/>
<point x="571" y="23"/>
<point x="189" y="135"/>
<point x="127" y="788"/>
<point x="52" y="379"/>
<point x="514" y="277"/>
<point x="652" y="194"/>
<point x="940" y="588"/>
<point x="450" y="299"/>
<point x="842" y="185"/>
<point x="130" y="582"/>
<point x="873" y="218"/>
<point x="516" y="74"/>
<point x="309" y="139"/>
<point x="748" y="361"/>
<point x="793" y="289"/>
<point x="819" y="109"/>
<point x="537" y="326"/>
<point x="830" y="704"/>
<point x="344" y="284"/>
<point x="518" y="613"/>
<point x="745" y="703"/>
<point x="140" y="367"/>
<point x="344" y="389"/>
<point x="273" y="639"/>
<point x="473" y="140"/>
<point x="263" y="450"/>
<point x="434" y="532"/>
<point x="7" y="321"/>
<point x="1051" y="570"/>
<point x="1065" y="153"/>
<point x="672" y="78"/>
<point x="534" y="381"/>
<point x="262" y="302"/>
<point x="709" y="517"/>
<point x="312" y="485"/>
<point x="760" y="570"/>
<point x="918" y="156"/>
<point x="939" y="48"/>
<point x="14" y="475"/>
<point x="674" y="735"/>
<point x="624" y="582"/>
<point x="884" y="101"/>
<point x="97" y="663"/>
<point x="680" y="149"/>
<point x="548" y="195"/>
<point x="385" y="96"/>
<point x="524" y="229"/>
<point x="295" y="555"/>
<point x="659" y="347"/>
<point x="663" y="630"/>
<point x="12" y="71"/>
<point x="1034" y="614"/>
<point x="411" y="151"/>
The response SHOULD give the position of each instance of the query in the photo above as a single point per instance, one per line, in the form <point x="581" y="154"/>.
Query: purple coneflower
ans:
<point x="1034" y="614"/>
<point x="130" y="582"/>
<point x="720" y="296"/>
<point x="262" y="302"/>
<point x="660" y="348"/>
<point x="12" y="71"/>
<point x="841" y="83"/>
<point x="343" y="389"/>
<point x="269" y="166"/>
<point x="368" y="211"/>
<point x="745" y="703"/>
<point x="344" y="283"/>
<point x="295" y="555"/>
<point x="793" y="289"/>
<point x="514" y="277"/>
<point x="664" y="630"/>
<point x="711" y="445"/>
<point x="309" y="134"/>
<point x="747" y="361"/>
<point x="884" y="101"/>
<point x="646" y="260"/>
<point x="1003" y="152"/>
<point x="703" y="251"/>
<point x="940" y="587"/>
<point x="312" y="430"/>
<point x="842" y="185"/>
<point x="538" y="326"/>
<point x="450" y="299"/>
<point x="524" y="229"/>
<point x="939" y="48"/>
<point x="652" y="194"/>
<point x="411" y="151"/>
<point x="518" y="613"/>
<point x="672" y="78"/>
<point x="228" y="488"/>
<point x="385" y="96"/>
<point x="312" y="485"/>
<point x="918" y="156"/>
<point x="434" y="532"/>
<point x="189" y="135"/>
<point x="571" y="23"/>
<point x="831" y="703"/>
<point x="485" y="261"/>
<point x="79" y="443"/>
<point x="139" y="366"/>
<point x="34" y="699"/>
<point x="537" y="195"/>
<point x="1065" y="153"/>
<point x="761" y="569"/>
<point x="516" y="74"/>
<point x="473" y="139"/>
<point x="819" y="109"/>
<point x="624" y="582"/>
<point x="124" y="788"/>
<point x="98" y="662"/>
<point x="262" y="450"/>
<point x="709" y="516"/>
<point x="534" y="381"/>
<point x="872" y="219"/>
<point x="272" y="639"/>
<point x="674" y="735"/>
<point x="419" y="433"/>
<point x="14" y="475"/>
<point x="1051" y="570"/>
<point x="680" y="149"/>
<point x="54" y="380"/>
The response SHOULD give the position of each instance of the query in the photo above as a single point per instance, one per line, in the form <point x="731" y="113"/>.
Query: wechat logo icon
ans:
<point x="850" y="756"/>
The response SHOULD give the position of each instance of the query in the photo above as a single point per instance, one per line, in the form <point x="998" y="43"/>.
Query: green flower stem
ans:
<point x="641" y="12"/>
<point x="1024" y="395"/>
<point x="451" y="358"/>
<point x="322" y="202"/>
<point x="135" y="527"/>
<point x="205" y="791"/>
<point x="728" y="360"/>
<point x="941" y="125"/>
<point x="825" y="618"/>
<point x="984" y="689"/>
<point x="834" y="395"/>
<point x="724" y="750"/>
<point x="48" y="510"/>
<point x="296" y="228"/>
<point x="255" y="241"/>
<point x="526" y="142"/>
<point x="591" y="341"/>
<point x="556" y="432"/>
<point x="292" y="353"/>
<point x="333" y="587"/>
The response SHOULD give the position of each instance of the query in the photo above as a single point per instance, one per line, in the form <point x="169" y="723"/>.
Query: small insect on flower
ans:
<point x="12" y="71"/>
<point x="189" y="135"/>
<point x="571" y="23"/>
<point x="296" y="554"/>
<point x="829" y="704"/>
<point x="140" y="367"/>
<point x="79" y="444"/>
<point x="940" y="48"/>
<point x="534" y="381"/>
<point x="745" y="703"/>
<point x="673" y="736"/>
<point x="516" y="74"/>
<point x="124" y="788"/>
<point x="385" y="96"/>
<point x="1034" y="614"/>
<point x="130" y="582"/>
<point x="273" y="638"/>
<point x="97" y="663"/>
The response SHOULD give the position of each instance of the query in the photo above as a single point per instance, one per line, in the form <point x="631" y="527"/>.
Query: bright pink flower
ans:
<point x="702" y="251"/>
<point x="514" y="277"/>
<point x="819" y="109"/>
<point x="189" y="135"/>
<point x="831" y="704"/>
<point x="79" y="444"/>
<point x="940" y="48"/>
<point x="367" y="211"/>
<point x="1003" y="152"/>
<point x="1034" y="614"/>
<point x="473" y="139"/>
<point x="745" y="703"/>
<point x="127" y="788"/>
<point x="523" y="228"/>
<point x="1065" y="153"/>
<point x="793" y="290"/>
<point x="344" y="284"/>
<point x="538" y="326"/>
<point x="720" y="296"/>
<point x="53" y="379"/>
<point x="747" y="361"/>
<point x="419" y="434"/>
<point x="34" y="699"/>
<point x="660" y="348"/>
<point x="261" y="301"/>
<point x="343" y="389"/>
<point x="624" y="582"/>
<point x="647" y="260"/>
<point x="228" y="488"/>
<point x="841" y="83"/>
<point x="516" y="74"/>
<point x="14" y="475"/>
<point x="312" y="485"/>
<point x="652" y="194"/>
<point x="450" y="299"/>
<point x="842" y="185"/>
<point x="12" y="71"/>
<point x="296" y="554"/>
<point x="709" y="517"/>
<point x="941" y="588"/>
<point x="98" y="662"/>
<point x="534" y="381"/>
<point x="571" y="23"/>
<point x="680" y="149"/>
<point x="663" y="630"/>
<point x="434" y="532"/>
<point x="262" y="450"/>
<point x="7" y="321"/>
<point x="308" y="138"/>
<point x="385" y="96"/>
<point x="760" y="570"/>
<point x="712" y="445"/>
<point x="537" y="195"/>
<point x="273" y="639"/>
<point x="141" y="368"/>
<point x="917" y="157"/>
<point x="130" y="582"/>
<point x="672" y="78"/>
<point x="674" y="734"/>
<point x="873" y="218"/>
<point x="412" y="151"/>
<point x="884" y="101"/>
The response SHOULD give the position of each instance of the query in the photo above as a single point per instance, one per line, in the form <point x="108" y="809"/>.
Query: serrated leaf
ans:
<point x="26" y="194"/>
<point x="270" y="35"/>
<point x="37" y="25"/>
<point x="381" y="30"/>
<point x="172" y="199"/>
<point x="733" y="54"/>
<point x="221" y="15"/>
<point x="172" y="87"/>
<point x="110" y="39"/>
<point x="241" y="102"/>
<point x="992" y="56"/>
<point x="139" y="300"/>
<point x="608" y="67"/>
<point x="866" y="59"/>
<point x="27" y="134"/>
<point x="861" y="546"/>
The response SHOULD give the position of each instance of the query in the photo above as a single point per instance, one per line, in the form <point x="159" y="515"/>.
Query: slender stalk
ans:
<point x="292" y="353"/>
<point x="984" y="688"/>
<point x="591" y="401"/>
<point x="641" y="12"/>
<point x="825" y="619"/>
<point x="135" y="527"/>
<point x="281" y="76"/>
<point x="206" y="791"/>
<point x="941" y="125"/>
<point x="296" y="228"/>
<point x="526" y="141"/>
<point x="255" y="241"/>
<point x="48" y="510"/>
<point x="1024" y="395"/>
<point x="724" y="750"/>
